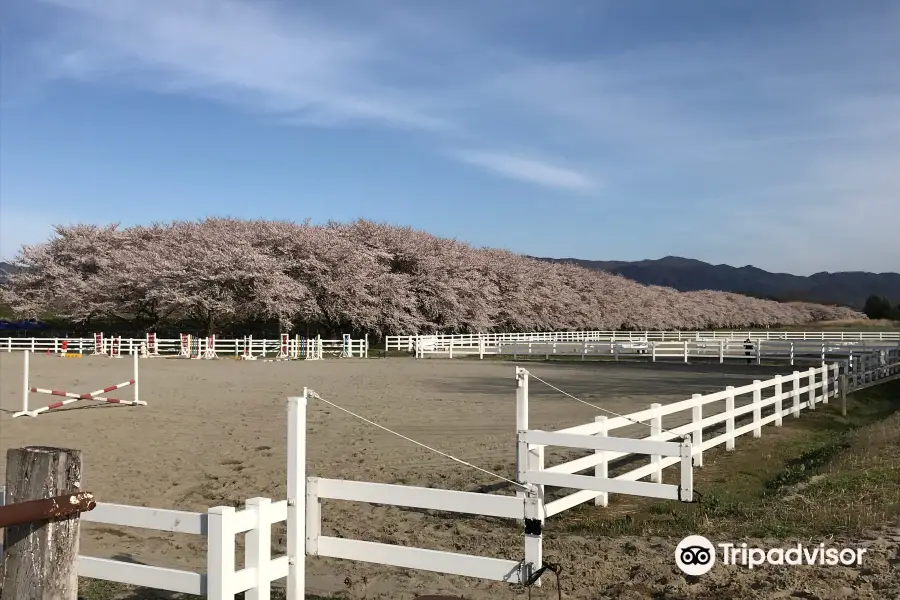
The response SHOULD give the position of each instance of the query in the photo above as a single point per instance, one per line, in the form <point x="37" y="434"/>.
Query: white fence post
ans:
<point x="778" y="398"/>
<point x="757" y="409"/>
<point x="697" y="435"/>
<point x="601" y="470"/>
<point x="533" y="540"/>
<point x="655" y="430"/>
<point x="812" y="388"/>
<point x="258" y="551"/>
<point x="795" y="394"/>
<point x="220" y="553"/>
<point x="824" y="383"/>
<point x="521" y="425"/>
<point x="296" y="497"/>
<point x="729" y="422"/>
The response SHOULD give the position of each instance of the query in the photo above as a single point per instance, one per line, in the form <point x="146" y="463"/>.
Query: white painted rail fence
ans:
<point x="220" y="526"/>
<point x="740" y="410"/>
<point x="407" y="343"/>
<point x="262" y="348"/>
<point x="718" y="350"/>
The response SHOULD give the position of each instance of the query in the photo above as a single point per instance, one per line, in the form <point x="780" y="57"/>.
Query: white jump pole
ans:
<point x="25" y="388"/>
<point x="137" y="397"/>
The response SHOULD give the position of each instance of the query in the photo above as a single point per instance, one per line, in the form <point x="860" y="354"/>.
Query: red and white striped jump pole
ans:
<point x="73" y="397"/>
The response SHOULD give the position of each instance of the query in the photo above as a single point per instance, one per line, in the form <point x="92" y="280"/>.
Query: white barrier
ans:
<point x="262" y="348"/>
<point x="781" y="396"/>
<point x="721" y="350"/>
<point x="407" y="343"/>
<point x="72" y="397"/>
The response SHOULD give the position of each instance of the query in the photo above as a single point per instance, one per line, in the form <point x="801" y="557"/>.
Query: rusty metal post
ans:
<point x="40" y="560"/>
<point x="35" y="511"/>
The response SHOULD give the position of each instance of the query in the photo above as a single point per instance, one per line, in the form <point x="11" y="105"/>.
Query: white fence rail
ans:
<point x="407" y="343"/>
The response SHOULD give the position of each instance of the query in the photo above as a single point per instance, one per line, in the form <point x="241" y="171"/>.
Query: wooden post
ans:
<point x="843" y="386"/>
<point x="41" y="558"/>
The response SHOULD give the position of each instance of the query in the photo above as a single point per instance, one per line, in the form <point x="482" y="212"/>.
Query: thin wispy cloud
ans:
<point x="763" y="109"/>
<point x="527" y="169"/>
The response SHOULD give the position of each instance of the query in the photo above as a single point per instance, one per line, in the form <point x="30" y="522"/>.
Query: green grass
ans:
<point x="818" y="475"/>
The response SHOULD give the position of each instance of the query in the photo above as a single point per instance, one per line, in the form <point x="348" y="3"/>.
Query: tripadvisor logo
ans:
<point x="696" y="555"/>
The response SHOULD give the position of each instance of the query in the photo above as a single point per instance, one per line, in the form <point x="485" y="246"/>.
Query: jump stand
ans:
<point x="312" y="348"/>
<point x="286" y="352"/>
<point x="110" y="347"/>
<point x="209" y="350"/>
<point x="73" y="397"/>
<point x="296" y="349"/>
<point x="99" y="348"/>
<point x="185" y="350"/>
<point x="248" y="349"/>
<point x="196" y="348"/>
<point x="152" y="348"/>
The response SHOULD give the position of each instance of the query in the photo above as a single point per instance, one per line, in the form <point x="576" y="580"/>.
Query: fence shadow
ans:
<point x="98" y="589"/>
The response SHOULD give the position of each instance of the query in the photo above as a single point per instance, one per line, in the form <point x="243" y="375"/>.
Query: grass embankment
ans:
<point x="815" y="476"/>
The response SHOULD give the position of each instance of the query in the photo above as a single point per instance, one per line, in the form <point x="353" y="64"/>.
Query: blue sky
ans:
<point x="764" y="133"/>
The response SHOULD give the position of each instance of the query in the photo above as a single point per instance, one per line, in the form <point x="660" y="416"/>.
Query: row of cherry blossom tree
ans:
<point x="360" y="276"/>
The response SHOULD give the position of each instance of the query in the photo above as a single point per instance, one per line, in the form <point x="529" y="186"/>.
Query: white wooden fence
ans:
<point x="220" y="526"/>
<point x="407" y="343"/>
<point x="720" y="350"/>
<point x="759" y="404"/>
<point x="262" y="348"/>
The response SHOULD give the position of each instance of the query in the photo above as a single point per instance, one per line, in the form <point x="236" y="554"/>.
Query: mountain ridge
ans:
<point x="849" y="288"/>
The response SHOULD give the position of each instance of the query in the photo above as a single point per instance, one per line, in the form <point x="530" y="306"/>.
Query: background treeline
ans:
<point x="232" y="277"/>
<point x="879" y="307"/>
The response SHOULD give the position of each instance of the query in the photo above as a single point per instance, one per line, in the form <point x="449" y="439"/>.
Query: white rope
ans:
<point x="313" y="394"/>
<point x="600" y="408"/>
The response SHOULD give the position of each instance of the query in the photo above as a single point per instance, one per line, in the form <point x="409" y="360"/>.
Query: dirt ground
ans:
<point x="214" y="433"/>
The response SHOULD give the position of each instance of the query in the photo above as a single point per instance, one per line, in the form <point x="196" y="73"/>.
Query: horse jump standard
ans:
<point x="73" y="397"/>
<point x="195" y="347"/>
<point x="111" y="347"/>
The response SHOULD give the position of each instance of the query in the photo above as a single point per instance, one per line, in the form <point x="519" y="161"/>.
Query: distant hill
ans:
<point x="685" y="274"/>
<point x="6" y="268"/>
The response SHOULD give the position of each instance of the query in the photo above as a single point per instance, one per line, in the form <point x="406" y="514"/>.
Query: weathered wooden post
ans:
<point x="843" y="392"/>
<point x="40" y="559"/>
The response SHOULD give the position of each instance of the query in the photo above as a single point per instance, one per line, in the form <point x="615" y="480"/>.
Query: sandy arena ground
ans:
<point x="214" y="433"/>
